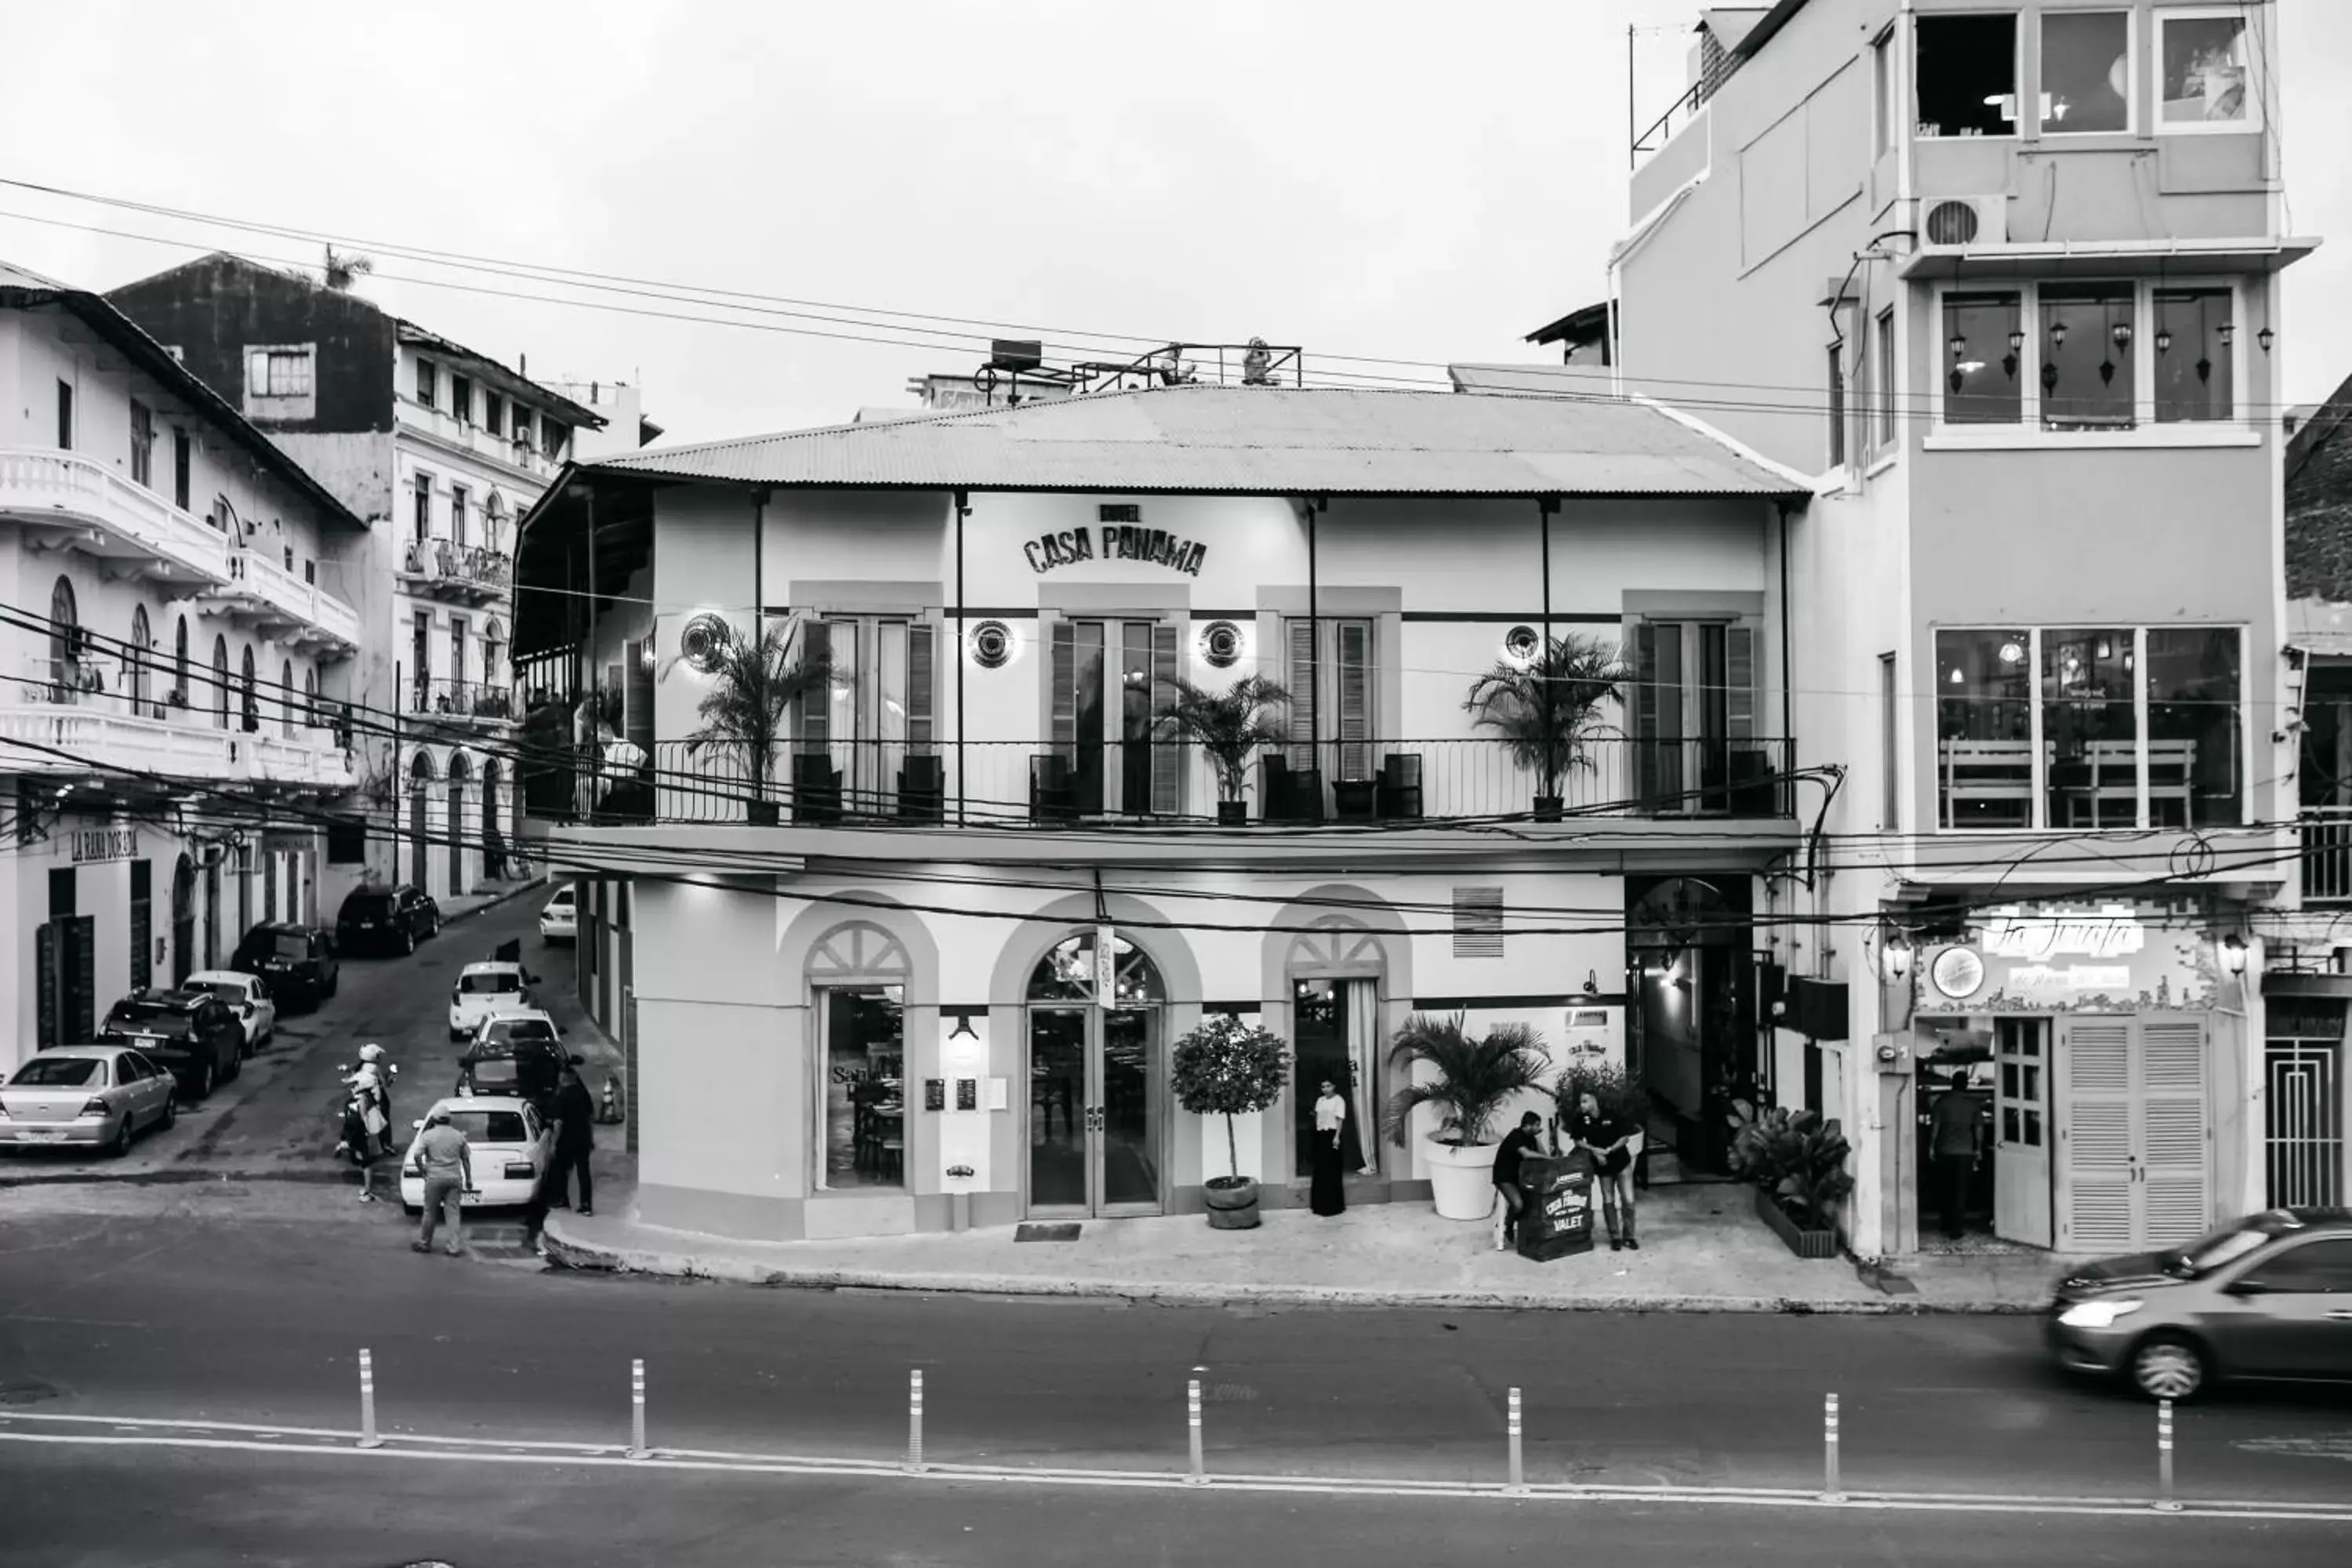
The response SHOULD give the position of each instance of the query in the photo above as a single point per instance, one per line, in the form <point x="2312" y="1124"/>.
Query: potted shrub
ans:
<point x="1229" y="726"/>
<point x="1474" y="1077"/>
<point x="1797" y="1163"/>
<point x="1547" y="709"/>
<point x="756" y="682"/>
<point x="1226" y="1068"/>
<point x="1619" y="1097"/>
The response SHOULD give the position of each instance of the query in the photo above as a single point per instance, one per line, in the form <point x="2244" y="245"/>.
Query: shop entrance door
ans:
<point x="2021" y="1150"/>
<point x="2132" y="1131"/>
<point x="1094" y="1110"/>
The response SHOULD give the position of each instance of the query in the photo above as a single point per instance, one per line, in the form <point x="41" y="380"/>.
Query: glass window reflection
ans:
<point x="2196" y="748"/>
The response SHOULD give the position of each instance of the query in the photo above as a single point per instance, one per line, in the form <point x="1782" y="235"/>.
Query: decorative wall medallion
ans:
<point x="1957" y="972"/>
<point x="1220" y="644"/>
<point x="992" y="644"/>
<point x="1522" y="644"/>
<point x="704" y="641"/>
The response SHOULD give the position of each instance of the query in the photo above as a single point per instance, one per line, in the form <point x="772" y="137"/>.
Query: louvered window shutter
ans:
<point x="1740" y="681"/>
<point x="1064" y="711"/>
<point x="922" y="681"/>
<point x="816" y="704"/>
<point x="1646" y="709"/>
<point x="1355" y="699"/>
<point x="1300" y="680"/>
<point x="2095" y="1210"/>
<point x="1167" y="750"/>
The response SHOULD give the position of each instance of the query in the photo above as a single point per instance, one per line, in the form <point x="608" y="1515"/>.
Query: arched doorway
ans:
<point x="212" y="908"/>
<point x="1097" y="1080"/>
<point x="420" y="806"/>
<point x="461" y="774"/>
<point x="494" y="832"/>
<point x="1335" y="972"/>
<point x="183" y="920"/>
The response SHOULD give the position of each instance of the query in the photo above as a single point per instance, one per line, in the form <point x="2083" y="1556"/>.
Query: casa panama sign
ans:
<point x="2068" y="958"/>
<point x="1115" y="541"/>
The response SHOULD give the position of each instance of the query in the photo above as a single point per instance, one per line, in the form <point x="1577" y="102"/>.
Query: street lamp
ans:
<point x="2233" y="955"/>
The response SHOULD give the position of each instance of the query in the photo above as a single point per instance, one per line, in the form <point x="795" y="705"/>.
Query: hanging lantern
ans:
<point x="2228" y="333"/>
<point x="2204" y="369"/>
<point x="2049" y="377"/>
<point x="1956" y="380"/>
<point x="2016" y="340"/>
<point x="1958" y="344"/>
<point x="2265" y="337"/>
<point x="2008" y="363"/>
<point x="2164" y="340"/>
<point x="2106" y="373"/>
<point x="2122" y="333"/>
<point x="2058" y="334"/>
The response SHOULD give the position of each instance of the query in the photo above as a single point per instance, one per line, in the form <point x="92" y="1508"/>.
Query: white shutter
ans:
<point x="1354" y="698"/>
<point x="2095" y="1213"/>
<point x="1300" y="680"/>
<point x="2176" y="1198"/>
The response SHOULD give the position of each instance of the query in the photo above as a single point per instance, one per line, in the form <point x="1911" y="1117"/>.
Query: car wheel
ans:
<point x="120" y="1145"/>
<point x="171" y="1116"/>
<point x="236" y="1066"/>
<point x="408" y="941"/>
<point x="2168" y="1366"/>
<point x="204" y="1081"/>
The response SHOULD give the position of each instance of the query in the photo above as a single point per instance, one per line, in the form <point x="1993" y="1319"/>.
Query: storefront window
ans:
<point x="1984" y="728"/>
<point x="2194" y="366"/>
<point x="1982" y="336"/>
<point x="2195" y="767"/>
<point x="1334" y="1025"/>
<point x="2090" y="727"/>
<point x="864" y="1066"/>
<point x="2088" y="337"/>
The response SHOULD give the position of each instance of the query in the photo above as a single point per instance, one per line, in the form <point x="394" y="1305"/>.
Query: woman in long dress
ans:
<point x="1328" y="1193"/>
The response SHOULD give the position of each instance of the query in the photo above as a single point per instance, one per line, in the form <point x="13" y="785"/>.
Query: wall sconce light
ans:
<point x="964" y="1029"/>
<point x="2017" y="340"/>
<point x="2266" y="337"/>
<point x="2228" y="333"/>
<point x="1958" y="344"/>
<point x="1894" y="957"/>
<point x="1592" y="982"/>
<point x="2058" y="334"/>
<point x="2233" y="955"/>
<point x="646" y="656"/>
<point x="2164" y="340"/>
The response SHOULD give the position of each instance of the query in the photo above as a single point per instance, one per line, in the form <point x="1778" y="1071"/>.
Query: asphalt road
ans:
<point x="99" y="1508"/>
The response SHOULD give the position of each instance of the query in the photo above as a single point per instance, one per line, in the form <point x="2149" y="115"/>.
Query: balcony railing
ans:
<point x="92" y="715"/>
<point x="129" y="521"/>
<point x="523" y="453"/>
<point x="982" y="784"/>
<point x="480" y="700"/>
<point x="305" y="612"/>
<point x="472" y="570"/>
<point x="2327" y="832"/>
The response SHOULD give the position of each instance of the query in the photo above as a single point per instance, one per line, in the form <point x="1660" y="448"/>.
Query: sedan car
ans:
<point x="484" y="990"/>
<point x="97" y="1095"/>
<point x="245" y="997"/>
<point x="191" y="1035"/>
<point x="298" y="961"/>
<point x="518" y="1054"/>
<point x="507" y="1142"/>
<point x="560" y="921"/>
<point x="386" y="920"/>
<point x="2266" y="1297"/>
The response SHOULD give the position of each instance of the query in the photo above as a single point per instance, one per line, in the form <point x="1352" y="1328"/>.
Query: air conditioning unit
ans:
<point x="1964" y="223"/>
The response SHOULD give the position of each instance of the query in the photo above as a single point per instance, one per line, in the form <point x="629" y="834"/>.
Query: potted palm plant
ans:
<point x="1473" y="1079"/>
<point x="1796" y="1161"/>
<point x="756" y="681"/>
<point x="1547" y="709"/>
<point x="1226" y="1068"/>
<point x="1229" y="726"/>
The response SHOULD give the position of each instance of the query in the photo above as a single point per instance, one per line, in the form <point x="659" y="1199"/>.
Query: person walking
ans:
<point x="1526" y="1139"/>
<point x="1609" y="1140"/>
<point x="1327" y="1192"/>
<point x="448" y="1163"/>
<point x="573" y="1141"/>
<point x="1956" y="1141"/>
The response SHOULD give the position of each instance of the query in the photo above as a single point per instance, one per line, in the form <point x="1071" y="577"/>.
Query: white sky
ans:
<point x="1426" y="181"/>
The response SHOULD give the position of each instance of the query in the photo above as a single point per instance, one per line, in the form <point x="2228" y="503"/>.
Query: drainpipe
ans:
<point x="1787" y="672"/>
<point x="1547" y="507"/>
<point x="962" y="511"/>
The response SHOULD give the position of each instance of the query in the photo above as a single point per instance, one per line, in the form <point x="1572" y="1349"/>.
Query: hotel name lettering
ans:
<point x="1115" y="541"/>
<point x="105" y="844"/>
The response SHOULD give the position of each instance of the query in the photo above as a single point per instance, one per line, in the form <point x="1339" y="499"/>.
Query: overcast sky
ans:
<point x="1424" y="181"/>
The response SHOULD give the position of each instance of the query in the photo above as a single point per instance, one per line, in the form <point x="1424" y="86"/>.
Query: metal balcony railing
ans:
<point x="461" y="699"/>
<point x="472" y="567"/>
<point x="2327" y="833"/>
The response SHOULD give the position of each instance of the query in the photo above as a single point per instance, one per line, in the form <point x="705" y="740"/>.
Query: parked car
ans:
<point x="509" y="1148"/>
<point x="298" y="961"/>
<point x="392" y="919"/>
<point x="245" y="995"/>
<point x="484" y="989"/>
<point x="517" y="1053"/>
<point x="99" y="1095"/>
<point x="190" y="1034"/>
<point x="2266" y="1297"/>
<point x="560" y="921"/>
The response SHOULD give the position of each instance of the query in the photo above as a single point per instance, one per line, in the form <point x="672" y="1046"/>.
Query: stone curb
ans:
<point x="567" y="1252"/>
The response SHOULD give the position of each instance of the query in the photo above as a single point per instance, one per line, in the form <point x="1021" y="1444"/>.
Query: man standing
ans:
<point x="1508" y="1159"/>
<point x="448" y="1162"/>
<point x="574" y="1141"/>
<point x="1610" y="1141"/>
<point x="1955" y="1139"/>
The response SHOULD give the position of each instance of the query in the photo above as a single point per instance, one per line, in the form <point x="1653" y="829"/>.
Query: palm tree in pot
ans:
<point x="1226" y="1068"/>
<point x="1472" y="1080"/>
<point x="1229" y="726"/>
<point x="1548" y="710"/>
<point x="755" y="682"/>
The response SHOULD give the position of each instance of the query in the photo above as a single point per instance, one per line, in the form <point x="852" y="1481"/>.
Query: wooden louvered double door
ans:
<point x="2135" y="1135"/>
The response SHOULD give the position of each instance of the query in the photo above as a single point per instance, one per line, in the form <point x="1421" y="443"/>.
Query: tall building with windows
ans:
<point x="2004" y="279"/>
<point x="441" y="450"/>
<point x="175" y="637"/>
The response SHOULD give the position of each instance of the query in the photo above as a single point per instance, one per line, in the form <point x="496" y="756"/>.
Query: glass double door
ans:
<point x="1095" y="1116"/>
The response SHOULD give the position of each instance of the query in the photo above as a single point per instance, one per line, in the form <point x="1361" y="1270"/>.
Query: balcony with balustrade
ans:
<point x="126" y="726"/>
<point x="485" y="704"/>
<point x="67" y="501"/>
<point x="459" y="573"/>
<point x="273" y="600"/>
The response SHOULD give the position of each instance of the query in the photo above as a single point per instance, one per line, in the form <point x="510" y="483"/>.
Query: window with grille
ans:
<point x="1477" y="922"/>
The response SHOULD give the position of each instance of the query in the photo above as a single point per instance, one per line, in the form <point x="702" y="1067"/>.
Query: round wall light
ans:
<point x="992" y="644"/>
<point x="704" y="641"/>
<point x="1521" y="644"/>
<point x="1221" y="645"/>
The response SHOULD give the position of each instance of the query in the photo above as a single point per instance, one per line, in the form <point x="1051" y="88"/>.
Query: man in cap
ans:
<point x="448" y="1163"/>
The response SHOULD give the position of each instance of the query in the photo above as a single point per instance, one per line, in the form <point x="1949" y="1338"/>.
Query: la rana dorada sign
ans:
<point x="1115" y="541"/>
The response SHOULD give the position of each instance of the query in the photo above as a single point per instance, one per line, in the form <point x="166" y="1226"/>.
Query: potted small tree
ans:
<point x="755" y="683"/>
<point x="1547" y="709"/>
<point x="1473" y="1079"/>
<point x="1796" y="1162"/>
<point x="1229" y="726"/>
<point x="1226" y="1068"/>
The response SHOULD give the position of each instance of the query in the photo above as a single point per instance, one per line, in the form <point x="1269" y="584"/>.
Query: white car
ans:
<point x="506" y="1143"/>
<point x="99" y="1095"/>
<point x="484" y="989"/>
<point x="560" y="921"/>
<point x="245" y="995"/>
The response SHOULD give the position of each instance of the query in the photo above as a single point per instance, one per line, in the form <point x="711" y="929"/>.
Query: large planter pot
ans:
<point x="1232" y="814"/>
<point x="1802" y="1242"/>
<point x="1462" y="1179"/>
<point x="766" y="813"/>
<point x="1232" y="1202"/>
<point x="1549" y="808"/>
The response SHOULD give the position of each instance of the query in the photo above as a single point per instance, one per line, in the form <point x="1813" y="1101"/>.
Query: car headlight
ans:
<point x="2099" y="1314"/>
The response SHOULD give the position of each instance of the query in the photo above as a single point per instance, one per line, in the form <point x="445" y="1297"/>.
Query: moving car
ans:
<point x="244" y="995"/>
<point x="298" y="961"/>
<point x="388" y="919"/>
<point x="99" y="1095"/>
<point x="2265" y="1298"/>
<point x="560" y="921"/>
<point x="519" y="1053"/>
<point x="484" y="989"/>
<point x="509" y="1148"/>
<point x="191" y="1035"/>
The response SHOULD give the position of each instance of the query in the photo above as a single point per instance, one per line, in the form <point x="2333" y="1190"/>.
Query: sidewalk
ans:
<point x="1703" y="1250"/>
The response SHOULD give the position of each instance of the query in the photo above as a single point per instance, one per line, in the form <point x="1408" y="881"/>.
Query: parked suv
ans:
<point x="296" y="961"/>
<point x="2268" y="1298"/>
<point x="191" y="1035"/>
<point x="386" y="920"/>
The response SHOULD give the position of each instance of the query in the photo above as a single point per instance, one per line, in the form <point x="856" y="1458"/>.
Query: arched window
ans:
<point x="285" y="703"/>
<point x="310" y="699"/>
<point x="135" y="662"/>
<point x="220" y="682"/>
<point x="494" y="642"/>
<point x="251" y="695"/>
<point x="420" y="770"/>
<point x="179" y="662"/>
<point x="494" y="523"/>
<point x="65" y="643"/>
<point x="1067" y="973"/>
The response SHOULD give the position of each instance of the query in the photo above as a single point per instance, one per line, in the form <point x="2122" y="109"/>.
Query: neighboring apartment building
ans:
<point x="172" y="655"/>
<point x="2005" y="276"/>
<point x="934" y="969"/>
<point x="441" y="450"/>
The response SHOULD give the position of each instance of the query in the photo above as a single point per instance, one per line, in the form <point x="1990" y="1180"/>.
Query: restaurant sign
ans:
<point x="96" y="843"/>
<point x="1115" y="541"/>
<point x="2052" y="958"/>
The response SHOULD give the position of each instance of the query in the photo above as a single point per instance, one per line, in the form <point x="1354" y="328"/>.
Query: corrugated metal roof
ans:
<point x="1251" y="440"/>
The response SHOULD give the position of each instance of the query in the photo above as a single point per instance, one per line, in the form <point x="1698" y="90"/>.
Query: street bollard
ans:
<point x="1830" y="1491"/>
<point x="1198" y="1478"/>
<point x="1519" y="1470"/>
<point x="2165" y="1502"/>
<point x="915" y="1420"/>
<point x="636" y="1410"/>
<point x="368" y="1439"/>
